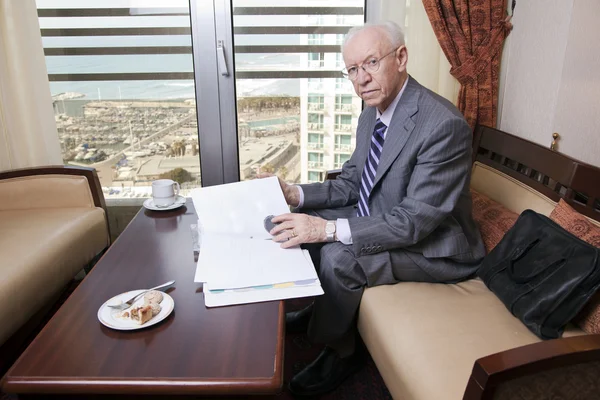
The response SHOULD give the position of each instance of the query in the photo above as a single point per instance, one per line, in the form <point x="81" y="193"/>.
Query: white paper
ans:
<point x="236" y="250"/>
<point x="239" y="208"/>
<point x="237" y="261"/>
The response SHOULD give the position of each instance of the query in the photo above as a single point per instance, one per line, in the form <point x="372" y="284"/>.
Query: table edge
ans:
<point x="174" y="386"/>
<point x="141" y="386"/>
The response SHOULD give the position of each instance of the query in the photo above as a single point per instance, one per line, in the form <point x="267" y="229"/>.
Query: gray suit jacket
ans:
<point x="420" y="201"/>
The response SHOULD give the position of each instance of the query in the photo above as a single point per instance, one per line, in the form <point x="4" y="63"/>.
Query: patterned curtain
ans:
<point x="471" y="34"/>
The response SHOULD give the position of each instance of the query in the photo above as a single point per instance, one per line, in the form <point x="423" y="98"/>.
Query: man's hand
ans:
<point x="290" y="192"/>
<point x="295" y="229"/>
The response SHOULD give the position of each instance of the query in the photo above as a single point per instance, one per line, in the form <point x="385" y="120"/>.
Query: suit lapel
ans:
<point x="400" y="127"/>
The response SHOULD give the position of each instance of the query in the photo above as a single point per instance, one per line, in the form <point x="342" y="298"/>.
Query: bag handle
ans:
<point x="491" y="272"/>
<point x="520" y="253"/>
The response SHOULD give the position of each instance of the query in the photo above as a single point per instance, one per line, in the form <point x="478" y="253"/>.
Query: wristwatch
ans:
<point x="330" y="231"/>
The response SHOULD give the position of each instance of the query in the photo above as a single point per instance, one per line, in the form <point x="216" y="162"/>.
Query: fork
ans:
<point x="132" y="300"/>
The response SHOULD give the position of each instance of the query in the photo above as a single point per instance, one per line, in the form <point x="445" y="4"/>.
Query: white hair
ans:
<point x="393" y="31"/>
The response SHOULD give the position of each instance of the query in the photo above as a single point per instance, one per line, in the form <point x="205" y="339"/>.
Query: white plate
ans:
<point x="108" y="316"/>
<point x="149" y="204"/>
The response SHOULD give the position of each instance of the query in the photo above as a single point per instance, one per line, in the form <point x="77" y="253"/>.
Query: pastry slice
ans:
<point x="141" y="315"/>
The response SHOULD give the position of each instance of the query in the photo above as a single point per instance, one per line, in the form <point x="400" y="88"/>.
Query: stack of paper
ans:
<point x="238" y="261"/>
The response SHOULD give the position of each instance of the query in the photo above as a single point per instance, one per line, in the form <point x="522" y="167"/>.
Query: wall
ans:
<point x="577" y="115"/>
<point x="549" y="76"/>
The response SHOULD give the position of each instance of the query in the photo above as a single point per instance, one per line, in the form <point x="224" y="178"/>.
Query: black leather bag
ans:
<point x="543" y="274"/>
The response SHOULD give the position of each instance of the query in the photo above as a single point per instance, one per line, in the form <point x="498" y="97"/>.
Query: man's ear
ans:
<point x="402" y="57"/>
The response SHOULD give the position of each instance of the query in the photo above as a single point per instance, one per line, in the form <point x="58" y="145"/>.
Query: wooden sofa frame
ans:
<point x="15" y="344"/>
<point x="557" y="176"/>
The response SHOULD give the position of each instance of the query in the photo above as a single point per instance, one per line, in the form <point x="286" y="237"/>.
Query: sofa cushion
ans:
<point x="579" y="225"/>
<point x="41" y="251"/>
<point x="426" y="337"/>
<point x="493" y="218"/>
<point x="576" y="223"/>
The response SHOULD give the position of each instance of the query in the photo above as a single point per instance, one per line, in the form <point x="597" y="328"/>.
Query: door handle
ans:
<point x="221" y="58"/>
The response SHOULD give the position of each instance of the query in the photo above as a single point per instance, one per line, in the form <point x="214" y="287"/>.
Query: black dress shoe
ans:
<point x="326" y="373"/>
<point x="297" y="321"/>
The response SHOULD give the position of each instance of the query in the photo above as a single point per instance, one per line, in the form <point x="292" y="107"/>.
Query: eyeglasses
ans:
<point x="370" y="66"/>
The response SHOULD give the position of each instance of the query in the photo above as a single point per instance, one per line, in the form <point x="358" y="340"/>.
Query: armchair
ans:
<point x="53" y="222"/>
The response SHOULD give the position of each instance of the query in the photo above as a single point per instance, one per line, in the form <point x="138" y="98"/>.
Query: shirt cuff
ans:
<point x="300" y="198"/>
<point x="342" y="230"/>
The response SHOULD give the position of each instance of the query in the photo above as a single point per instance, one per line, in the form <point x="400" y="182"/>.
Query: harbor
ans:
<point x="131" y="143"/>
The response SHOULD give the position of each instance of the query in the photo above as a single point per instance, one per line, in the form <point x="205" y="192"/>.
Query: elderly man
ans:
<point x="399" y="211"/>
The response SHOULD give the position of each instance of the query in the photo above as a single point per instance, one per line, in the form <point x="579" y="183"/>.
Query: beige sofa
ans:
<point x="52" y="223"/>
<point x="426" y="338"/>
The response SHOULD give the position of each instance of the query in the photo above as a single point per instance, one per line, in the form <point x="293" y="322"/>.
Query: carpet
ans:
<point x="299" y="352"/>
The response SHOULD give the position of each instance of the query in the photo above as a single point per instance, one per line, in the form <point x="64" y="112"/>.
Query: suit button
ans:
<point x="379" y="248"/>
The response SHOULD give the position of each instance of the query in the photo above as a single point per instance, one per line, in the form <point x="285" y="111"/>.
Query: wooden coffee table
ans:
<point x="195" y="350"/>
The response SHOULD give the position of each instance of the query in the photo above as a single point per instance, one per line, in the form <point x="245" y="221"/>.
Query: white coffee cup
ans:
<point x="164" y="193"/>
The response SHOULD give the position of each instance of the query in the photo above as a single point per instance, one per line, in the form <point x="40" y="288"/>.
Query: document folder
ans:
<point x="238" y="262"/>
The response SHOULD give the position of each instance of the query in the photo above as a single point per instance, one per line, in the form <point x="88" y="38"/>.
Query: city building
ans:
<point x="329" y="109"/>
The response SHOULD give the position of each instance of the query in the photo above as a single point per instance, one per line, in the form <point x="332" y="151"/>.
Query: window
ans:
<point x="343" y="123"/>
<point x="343" y="103"/>
<point x="138" y="115"/>
<point x="316" y="39"/>
<point x="315" y="122"/>
<point x="315" y="160"/>
<point x="343" y="143"/>
<point x="340" y="159"/>
<point x="287" y="95"/>
<point x="123" y="93"/>
<point x="315" y="176"/>
<point x="316" y="102"/>
<point x="315" y="141"/>
<point x="316" y="60"/>
<point x="339" y="39"/>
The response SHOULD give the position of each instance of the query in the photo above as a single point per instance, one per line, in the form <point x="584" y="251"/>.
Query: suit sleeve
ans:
<point x="439" y="176"/>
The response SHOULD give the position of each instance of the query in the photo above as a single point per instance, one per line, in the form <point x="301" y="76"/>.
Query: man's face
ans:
<point x="377" y="89"/>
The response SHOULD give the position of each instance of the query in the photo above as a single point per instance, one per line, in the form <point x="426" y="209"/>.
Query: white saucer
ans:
<point x="149" y="204"/>
<point x="109" y="316"/>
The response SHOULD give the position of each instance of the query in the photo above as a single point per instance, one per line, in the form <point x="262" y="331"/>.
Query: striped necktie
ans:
<point x="368" y="174"/>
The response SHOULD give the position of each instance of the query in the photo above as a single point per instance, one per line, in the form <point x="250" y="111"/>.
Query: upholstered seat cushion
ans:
<point x="42" y="249"/>
<point x="426" y="337"/>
